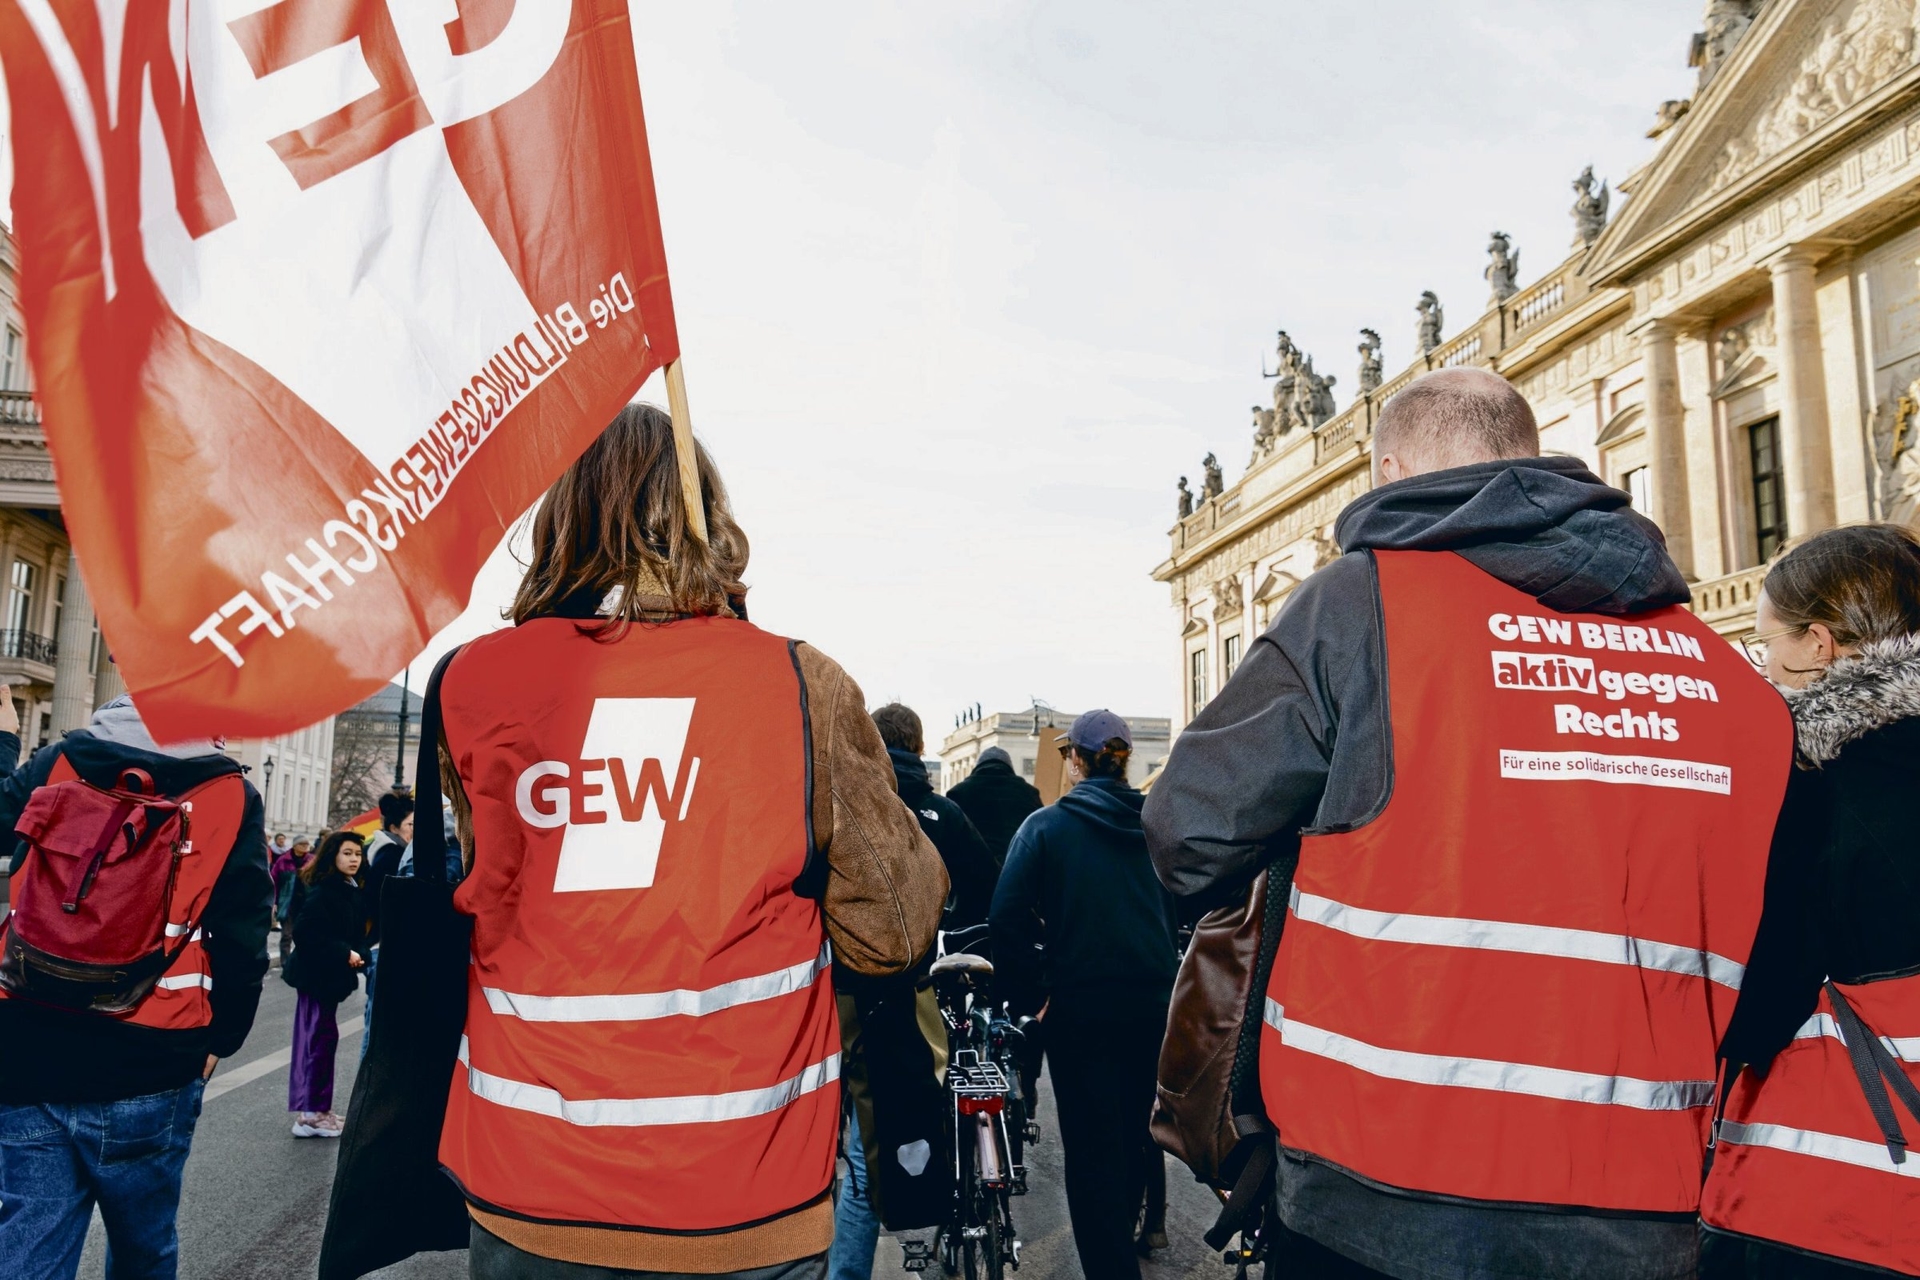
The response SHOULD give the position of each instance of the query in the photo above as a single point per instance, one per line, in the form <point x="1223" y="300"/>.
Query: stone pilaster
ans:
<point x="1806" y="442"/>
<point x="107" y="684"/>
<point x="1667" y="441"/>
<point x="73" y="659"/>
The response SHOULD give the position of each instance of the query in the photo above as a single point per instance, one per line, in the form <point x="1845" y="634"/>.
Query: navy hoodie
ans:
<point x="1078" y="881"/>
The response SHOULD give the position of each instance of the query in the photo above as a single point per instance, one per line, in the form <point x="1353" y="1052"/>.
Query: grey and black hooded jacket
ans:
<point x="1299" y="741"/>
<point x="1843" y="881"/>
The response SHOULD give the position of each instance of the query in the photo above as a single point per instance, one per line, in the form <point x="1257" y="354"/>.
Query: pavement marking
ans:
<point x="225" y="1082"/>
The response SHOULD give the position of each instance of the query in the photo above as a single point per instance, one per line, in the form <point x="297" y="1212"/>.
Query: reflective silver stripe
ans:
<point x="656" y="1004"/>
<point x="183" y="981"/>
<point x="692" y="1109"/>
<point x="1531" y="939"/>
<point x="1276" y="1016"/>
<point x="1905" y="1048"/>
<point x="1502" y="1077"/>
<point x="179" y="930"/>
<point x="1821" y="1146"/>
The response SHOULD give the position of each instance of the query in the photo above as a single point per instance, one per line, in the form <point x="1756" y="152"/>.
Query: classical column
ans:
<point x="107" y="684"/>
<point x="1806" y="445"/>
<point x="1667" y="441"/>
<point x="73" y="658"/>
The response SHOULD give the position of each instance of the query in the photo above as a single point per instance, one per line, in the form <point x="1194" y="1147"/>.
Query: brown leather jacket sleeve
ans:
<point x="886" y="884"/>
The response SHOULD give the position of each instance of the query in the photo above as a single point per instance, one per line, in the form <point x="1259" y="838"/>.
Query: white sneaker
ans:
<point x="313" y="1126"/>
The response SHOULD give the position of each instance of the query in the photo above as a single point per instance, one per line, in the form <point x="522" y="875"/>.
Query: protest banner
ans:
<point x="320" y="296"/>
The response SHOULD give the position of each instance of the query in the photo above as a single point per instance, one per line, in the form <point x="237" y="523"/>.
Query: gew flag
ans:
<point x="320" y="294"/>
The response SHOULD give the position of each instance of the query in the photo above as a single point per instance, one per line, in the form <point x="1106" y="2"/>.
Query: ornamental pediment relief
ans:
<point x="1801" y="68"/>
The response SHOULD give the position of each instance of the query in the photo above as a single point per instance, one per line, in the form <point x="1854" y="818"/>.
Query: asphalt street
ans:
<point x="255" y="1199"/>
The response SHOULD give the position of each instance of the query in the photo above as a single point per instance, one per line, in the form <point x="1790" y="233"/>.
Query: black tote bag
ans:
<point x="391" y="1199"/>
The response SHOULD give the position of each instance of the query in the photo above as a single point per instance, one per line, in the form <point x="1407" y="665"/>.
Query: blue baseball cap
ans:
<point x="1095" y="729"/>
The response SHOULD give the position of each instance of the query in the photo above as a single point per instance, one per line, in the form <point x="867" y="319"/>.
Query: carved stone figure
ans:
<point x="1725" y="21"/>
<point x="1371" y="375"/>
<point x="1430" y="321"/>
<point x="1589" y="208"/>
<point x="1312" y="398"/>
<point x="1214" y="484"/>
<point x="1858" y="50"/>
<point x="1503" y="267"/>
<point x="1186" y="499"/>
<point x="1286" y="376"/>
<point x="1264" y="434"/>
<point x="1227" y="597"/>
<point x="1669" y="114"/>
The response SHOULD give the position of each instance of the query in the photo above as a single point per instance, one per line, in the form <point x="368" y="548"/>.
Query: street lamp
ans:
<point x="267" y="794"/>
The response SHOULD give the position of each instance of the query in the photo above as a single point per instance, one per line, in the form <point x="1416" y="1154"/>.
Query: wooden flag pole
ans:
<point x="683" y="449"/>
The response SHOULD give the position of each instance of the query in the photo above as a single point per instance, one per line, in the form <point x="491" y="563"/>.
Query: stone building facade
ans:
<point x="1739" y="348"/>
<point x="1018" y="733"/>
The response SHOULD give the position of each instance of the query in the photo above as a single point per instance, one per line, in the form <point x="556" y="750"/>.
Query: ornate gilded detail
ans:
<point x="1857" y="51"/>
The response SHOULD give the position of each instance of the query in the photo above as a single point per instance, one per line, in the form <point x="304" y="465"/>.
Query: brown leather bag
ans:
<point x="1193" y="1112"/>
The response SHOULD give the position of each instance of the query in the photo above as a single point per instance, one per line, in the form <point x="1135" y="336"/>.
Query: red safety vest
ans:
<point x="1800" y="1159"/>
<point x="1510" y="984"/>
<point x="179" y="1001"/>
<point x="651" y="1038"/>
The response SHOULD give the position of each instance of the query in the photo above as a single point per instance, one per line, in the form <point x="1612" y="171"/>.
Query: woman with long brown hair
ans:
<point x="669" y="813"/>
<point x="1812" y="1174"/>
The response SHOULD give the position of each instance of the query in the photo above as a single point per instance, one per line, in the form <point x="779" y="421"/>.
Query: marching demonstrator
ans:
<point x="669" y="813"/>
<point x="1530" y="798"/>
<point x="1814" y="1153"/>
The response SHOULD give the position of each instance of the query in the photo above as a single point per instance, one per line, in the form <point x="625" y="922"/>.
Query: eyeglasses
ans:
<point x="1756" y="642"/>
<point x="1064" y="748"/>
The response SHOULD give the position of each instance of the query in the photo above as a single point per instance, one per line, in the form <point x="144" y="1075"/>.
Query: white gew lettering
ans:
<point x="615" y="800"/>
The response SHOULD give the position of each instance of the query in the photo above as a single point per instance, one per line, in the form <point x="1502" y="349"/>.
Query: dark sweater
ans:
<point x="331" y="926"/>
<point x="998" y="800"/>
<point x="1078" y="882"/>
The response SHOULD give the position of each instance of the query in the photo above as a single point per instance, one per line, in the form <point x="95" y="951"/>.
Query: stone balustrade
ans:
<point x="1538" y="302"/>
<point x="1462" y="350"/>
<point x="1727" y="603"/>
<point x="19" y="409"/>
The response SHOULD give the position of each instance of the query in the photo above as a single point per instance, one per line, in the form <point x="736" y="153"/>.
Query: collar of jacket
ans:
<point x="1874" y="688"/>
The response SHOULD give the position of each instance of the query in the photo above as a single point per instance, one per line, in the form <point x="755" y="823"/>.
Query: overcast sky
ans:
<point x="963" y="289"/>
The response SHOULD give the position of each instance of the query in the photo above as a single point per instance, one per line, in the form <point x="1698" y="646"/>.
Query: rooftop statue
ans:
<point x="1589" y="208"/>
<point x="1214" y="484"/>
<point x="1264" y="433"/>
<point x="1725" y="22"/>
<point x="1186" y="499"/>
<point x="1430" y="320"/>
<point x="1503" y="267"/>
<point x="1371" y="375"/>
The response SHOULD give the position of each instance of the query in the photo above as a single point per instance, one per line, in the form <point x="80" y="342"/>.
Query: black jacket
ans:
<point x="52" y="1055"/>
<point x="1843" y="884"/>
<point x="1078" y="882"/>
<point x="971" y="870"/>
<point x="332" y="925"/>
<point x="1299" y="739"/>
<point x="998" y="800"/>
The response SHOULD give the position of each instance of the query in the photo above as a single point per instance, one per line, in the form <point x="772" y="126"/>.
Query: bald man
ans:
<point x="1515" y="805"/>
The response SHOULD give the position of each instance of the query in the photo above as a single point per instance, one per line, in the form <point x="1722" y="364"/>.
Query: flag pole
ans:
<point x="683" y="449"/>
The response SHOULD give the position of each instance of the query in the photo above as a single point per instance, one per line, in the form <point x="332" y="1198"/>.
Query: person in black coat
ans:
<point x="997" y="799"/>
<point x="332" y="934"/>
<point x="1838" y="628"/>
<point x="971" y="869"/>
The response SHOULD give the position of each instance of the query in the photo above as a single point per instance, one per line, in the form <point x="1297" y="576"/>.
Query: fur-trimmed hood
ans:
<point x="1856" y="696"/>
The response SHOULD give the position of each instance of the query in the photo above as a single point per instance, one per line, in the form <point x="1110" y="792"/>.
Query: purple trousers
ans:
<point x="316" y="1035"/>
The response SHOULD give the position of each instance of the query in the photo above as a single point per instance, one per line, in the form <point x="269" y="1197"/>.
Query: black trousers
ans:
<point x="1103" y="1061"/>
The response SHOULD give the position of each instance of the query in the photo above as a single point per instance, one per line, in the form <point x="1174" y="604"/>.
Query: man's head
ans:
<point x="1452" y="418"/>
<point x="396" y="814"/>
<point x="899" y="727"/>
<point x="995" y="755"/>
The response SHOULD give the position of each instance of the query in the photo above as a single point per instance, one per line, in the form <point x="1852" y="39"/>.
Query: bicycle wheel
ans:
<point x="991" y="1251"/>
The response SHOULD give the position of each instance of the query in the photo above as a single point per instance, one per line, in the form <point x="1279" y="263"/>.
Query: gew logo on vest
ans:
<point x="633" y="777"/>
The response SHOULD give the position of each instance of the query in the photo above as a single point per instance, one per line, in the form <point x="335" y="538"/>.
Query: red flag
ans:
<point x="320" y="296"/>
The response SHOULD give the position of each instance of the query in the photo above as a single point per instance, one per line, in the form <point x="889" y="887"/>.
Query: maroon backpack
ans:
<point x="91" y="900"/>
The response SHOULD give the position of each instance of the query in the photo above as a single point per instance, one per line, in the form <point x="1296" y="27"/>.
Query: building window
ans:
<point x="1639" y="486"/>
<point x="1026" y="766"/>
<point x="10" y="363"/>
<point x="1769" y="489"/>
<point x="1197" y="673"/>
<point x="1230" y="658"/>
<point x="59" y="604"/>
<point x="20" y="597"/>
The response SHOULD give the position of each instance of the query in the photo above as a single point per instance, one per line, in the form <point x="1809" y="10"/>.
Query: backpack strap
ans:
<point x="430" y="837"/>
<point x="1872" y="1064"/>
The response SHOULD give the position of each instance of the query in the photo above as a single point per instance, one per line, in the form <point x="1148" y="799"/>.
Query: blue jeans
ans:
<point x="856" y="1231"/>
<point x="57" y="1160"/>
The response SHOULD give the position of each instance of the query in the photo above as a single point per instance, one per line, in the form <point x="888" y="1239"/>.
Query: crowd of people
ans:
<point x="1596" y="950"/>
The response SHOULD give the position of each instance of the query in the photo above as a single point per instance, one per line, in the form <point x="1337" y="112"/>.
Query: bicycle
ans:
<point x="991" y="1119"/>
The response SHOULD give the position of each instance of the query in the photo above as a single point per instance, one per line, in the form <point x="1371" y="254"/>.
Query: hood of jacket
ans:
<point x="1106" y="802"/>
<point x="1545" y="526"/>
<point x="1857" y="695"/>
<point x="993" y="763"/>
<point x="909" y="772"/>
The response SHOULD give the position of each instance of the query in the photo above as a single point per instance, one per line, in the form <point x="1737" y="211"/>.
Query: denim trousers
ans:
<point x="59" y="1160"/>
<point x="856" y="1231"/>
<point x="316" y="1038"/>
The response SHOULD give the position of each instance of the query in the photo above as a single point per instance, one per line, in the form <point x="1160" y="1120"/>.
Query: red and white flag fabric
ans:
<point x="320" y="295"/>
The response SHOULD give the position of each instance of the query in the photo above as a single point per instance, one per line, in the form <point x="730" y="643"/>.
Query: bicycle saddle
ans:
<point x="962" y="964"/>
